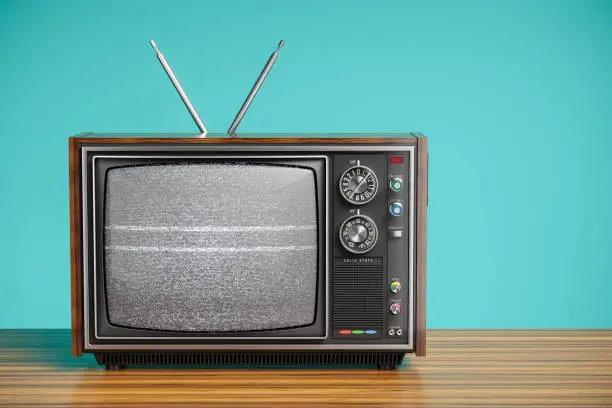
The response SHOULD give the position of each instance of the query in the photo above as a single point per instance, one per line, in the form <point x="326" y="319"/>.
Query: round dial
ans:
<point x="358" y="234"/>
<point x="358" y="185"/>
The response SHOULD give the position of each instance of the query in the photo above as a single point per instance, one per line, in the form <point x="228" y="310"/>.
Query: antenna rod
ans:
<point x="255" y="89"/>
<point x="179" y="89"/>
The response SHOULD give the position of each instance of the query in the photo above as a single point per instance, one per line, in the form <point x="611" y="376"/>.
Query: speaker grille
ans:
<point x="357" y="295"/>
<point x="251" y="358"/>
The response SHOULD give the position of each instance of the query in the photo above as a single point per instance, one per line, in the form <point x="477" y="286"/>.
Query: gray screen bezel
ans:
<point x="309" y="151"/>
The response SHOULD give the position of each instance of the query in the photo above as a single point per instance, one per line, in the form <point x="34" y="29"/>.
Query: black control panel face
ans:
<point x="370" y="271"/>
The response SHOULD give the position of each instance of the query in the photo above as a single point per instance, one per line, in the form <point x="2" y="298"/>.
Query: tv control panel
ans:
<point x="371" y="282"/>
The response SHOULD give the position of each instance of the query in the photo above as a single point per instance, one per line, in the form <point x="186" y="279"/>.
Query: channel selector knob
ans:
<point x="395" y="309"/>
<point x="358" y="185"/>
<point x="358" y="234"/>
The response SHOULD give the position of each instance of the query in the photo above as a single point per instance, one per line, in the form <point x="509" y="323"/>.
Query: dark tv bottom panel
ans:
<point x="383" y="360"/>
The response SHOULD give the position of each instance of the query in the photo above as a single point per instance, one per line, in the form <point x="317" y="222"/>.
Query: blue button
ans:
<point x="370" y="332"/>
<point x="396" y="209"/>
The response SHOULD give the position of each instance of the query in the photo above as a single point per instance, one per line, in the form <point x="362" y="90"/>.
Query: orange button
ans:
<point x="345" y="332"/>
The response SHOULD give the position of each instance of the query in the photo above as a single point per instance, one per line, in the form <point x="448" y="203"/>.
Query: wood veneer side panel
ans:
<point x="421" y="244"/>
<point x="76" y="249"/>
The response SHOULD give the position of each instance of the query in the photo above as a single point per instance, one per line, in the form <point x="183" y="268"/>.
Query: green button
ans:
<point x="396" y="184"/>
<point x="357" y="331"/>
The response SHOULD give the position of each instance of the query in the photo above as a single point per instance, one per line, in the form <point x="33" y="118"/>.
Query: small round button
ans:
<point x="396" y="209"/>
<point x="395" y="287"/>
<point x="396" y="184"/>
<point x="395" y="309"/>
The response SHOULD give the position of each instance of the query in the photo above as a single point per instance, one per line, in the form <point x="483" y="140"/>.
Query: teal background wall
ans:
<point x="516" y="97"/>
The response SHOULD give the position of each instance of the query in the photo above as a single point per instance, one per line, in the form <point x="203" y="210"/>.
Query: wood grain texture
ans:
<point x="150" y="139"/>
<point x="76" y="253"/>
<point x="253" y="137"/>
<point x="571" y="368"/>
<point x="421" y="245"/>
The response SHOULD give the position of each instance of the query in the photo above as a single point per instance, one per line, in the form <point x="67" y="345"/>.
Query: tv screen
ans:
<point x="210" y="247"/>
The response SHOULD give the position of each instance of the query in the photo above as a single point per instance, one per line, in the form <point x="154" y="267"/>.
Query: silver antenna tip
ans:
<point x="280" y="44"/>
<point x="153" y="44"/>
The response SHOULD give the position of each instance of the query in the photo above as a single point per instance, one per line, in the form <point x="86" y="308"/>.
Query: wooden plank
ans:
<point x="463" y="368"/>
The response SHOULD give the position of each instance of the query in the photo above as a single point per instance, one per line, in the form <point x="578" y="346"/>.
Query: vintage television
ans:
<point x="258" y="249"/>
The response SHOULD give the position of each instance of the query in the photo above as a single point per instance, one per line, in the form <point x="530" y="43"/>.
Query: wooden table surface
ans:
<point x="462" y="369"/>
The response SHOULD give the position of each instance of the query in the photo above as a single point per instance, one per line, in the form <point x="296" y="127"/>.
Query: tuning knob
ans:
<point x="358" y="185"/>
<point x="358" y="234"/>
<point x="395" y="309"/>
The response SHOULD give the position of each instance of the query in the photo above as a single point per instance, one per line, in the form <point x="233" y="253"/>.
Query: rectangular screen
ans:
<point x="210" y="247"/>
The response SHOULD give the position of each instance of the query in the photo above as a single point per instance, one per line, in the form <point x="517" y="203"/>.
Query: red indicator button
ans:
<point x="345" y="332"/>
<point x="396" y="159"/>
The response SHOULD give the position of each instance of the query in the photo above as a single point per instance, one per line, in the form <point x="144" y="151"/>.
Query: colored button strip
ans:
<point x="357" y="331"/>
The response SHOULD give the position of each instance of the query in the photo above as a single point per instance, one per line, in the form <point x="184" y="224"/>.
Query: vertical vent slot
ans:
<point x="357" y="294"/>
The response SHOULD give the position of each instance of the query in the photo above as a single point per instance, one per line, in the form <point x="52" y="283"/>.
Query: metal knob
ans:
<point x="358" y="233"/>
<point x="395" y="287"/>
<point x="395" y="309"/>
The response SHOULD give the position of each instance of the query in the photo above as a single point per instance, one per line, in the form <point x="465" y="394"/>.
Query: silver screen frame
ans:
<point x="224" y="148"/>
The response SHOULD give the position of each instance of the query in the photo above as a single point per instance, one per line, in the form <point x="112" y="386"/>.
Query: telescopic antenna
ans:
<point x="179" y="89"/>
<point x="255" y="89"/>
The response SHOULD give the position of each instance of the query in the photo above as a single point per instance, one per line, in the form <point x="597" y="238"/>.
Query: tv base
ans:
<point x="382" y="360"/>
<point x="114" y="367"/>
<point x="386" y="367"/>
